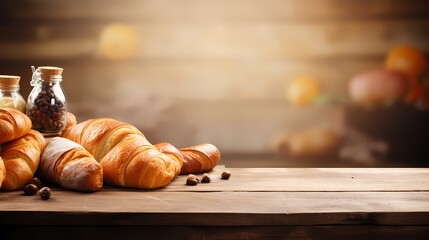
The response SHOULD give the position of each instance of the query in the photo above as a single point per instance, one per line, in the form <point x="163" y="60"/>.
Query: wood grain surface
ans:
<point x="266" y="196"/>
<point x="255" y="203"/>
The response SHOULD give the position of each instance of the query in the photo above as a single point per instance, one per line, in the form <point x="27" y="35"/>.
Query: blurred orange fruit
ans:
<point x="302" y="90"/>
<point x="418" y="95"/>
<point x="407" y="60"/>
<point x="118" y="41"/>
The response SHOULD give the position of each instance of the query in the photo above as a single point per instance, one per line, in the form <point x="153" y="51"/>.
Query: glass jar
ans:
<point x="46" y="104"/>
<point x="9" y="93"/>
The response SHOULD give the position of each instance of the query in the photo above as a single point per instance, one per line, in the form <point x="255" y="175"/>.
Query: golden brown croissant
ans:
<point x="68" y="164"/>
<point x="2" y="171"/>
<point x="13" y="124"/>
<point x="21" y="158"/>
<point x="199" y="158"/>
<point x="169" y="150"/>
<point x="71" y="120"/>
<point x="127" y="157"/>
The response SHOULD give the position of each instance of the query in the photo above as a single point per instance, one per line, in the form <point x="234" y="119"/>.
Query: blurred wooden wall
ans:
<point x="208" y="71"/>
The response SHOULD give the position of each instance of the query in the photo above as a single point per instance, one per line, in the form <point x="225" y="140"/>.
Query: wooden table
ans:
<point x="255" y="203"/>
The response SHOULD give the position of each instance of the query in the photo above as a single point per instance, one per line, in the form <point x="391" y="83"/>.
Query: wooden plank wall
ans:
<point x="208" y="71"/>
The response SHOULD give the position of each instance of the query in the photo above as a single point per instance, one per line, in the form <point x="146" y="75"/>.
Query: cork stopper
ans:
<point x="49" y="73"/>
<point x="9" y="81"/>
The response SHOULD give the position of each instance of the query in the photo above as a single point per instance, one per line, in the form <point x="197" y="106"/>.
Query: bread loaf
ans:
<point x="128" y="159"/>
<point x="21" y="159"/>
<point x="68" y="164"/>
<point x="13" y="124"/>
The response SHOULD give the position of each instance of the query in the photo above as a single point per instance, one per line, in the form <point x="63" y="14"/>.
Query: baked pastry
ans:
<point x="2" y="171"/>
<point x="13" y="124"/>
<point x="71" y="120"/>
<point x="199" y="158"/>
<point x="128" y="159"/>
<point x="196" y="159"/>
<point x="21" y="159"/>
<point x="68" y="164"/>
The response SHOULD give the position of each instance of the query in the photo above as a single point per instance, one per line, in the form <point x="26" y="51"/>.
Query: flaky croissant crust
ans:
<point x="199" y="158"/>
<point x="13" y="124"/>
<point x="2" y="171"/>
<point x="128" y="159"/>
<point x="21" y="158"/>
<point x="68" y="164"/>
<point x="196" y="159"/>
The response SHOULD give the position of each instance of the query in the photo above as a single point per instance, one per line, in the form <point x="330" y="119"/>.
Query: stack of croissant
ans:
<point x="91" y="153"/>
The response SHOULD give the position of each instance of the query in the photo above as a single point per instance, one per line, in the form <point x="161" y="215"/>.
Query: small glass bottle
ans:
<point x="9" y="93"/>
<point x="46" y="104"/>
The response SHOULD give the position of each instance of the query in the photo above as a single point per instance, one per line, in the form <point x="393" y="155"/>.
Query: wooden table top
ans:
<point x="252" y="196"/>
<point x="255" y="203"/>
<point x="295" y="196"/>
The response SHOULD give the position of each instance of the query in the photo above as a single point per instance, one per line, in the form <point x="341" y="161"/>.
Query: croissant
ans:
<point x="128" y="159"/>
<point x="169" y="150"/>
<point x="2" y="171"/>
<point x="13" y="124"/>
<point x="199" y="158"/>
<point x="21" y="158"/>
<point x="196" y="159"/>
<point x="68" y="164"/>
<point x="71" y="120"/>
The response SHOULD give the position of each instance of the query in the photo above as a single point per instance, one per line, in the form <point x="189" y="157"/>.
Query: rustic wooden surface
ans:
<point x="253" y="202"/>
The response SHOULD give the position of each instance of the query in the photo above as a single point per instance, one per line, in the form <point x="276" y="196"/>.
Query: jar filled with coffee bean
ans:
<point x="46" y="104"/>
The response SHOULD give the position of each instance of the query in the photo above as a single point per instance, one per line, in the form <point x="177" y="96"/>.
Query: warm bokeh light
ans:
<point x="302" y="90"/>
<point x="119" y="41"/>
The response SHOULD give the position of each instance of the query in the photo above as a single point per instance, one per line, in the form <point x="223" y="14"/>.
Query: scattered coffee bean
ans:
<point x="45" y="193"/>
<point x="30" y="189"/>
<point x="205" y="178"/>
<point x="226" y="175"/>
<point x="36" y="181"/>
<point x="192" y="180"/>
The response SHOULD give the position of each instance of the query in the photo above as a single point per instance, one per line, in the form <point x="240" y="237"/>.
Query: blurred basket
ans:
<point x="403" y="127"/>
